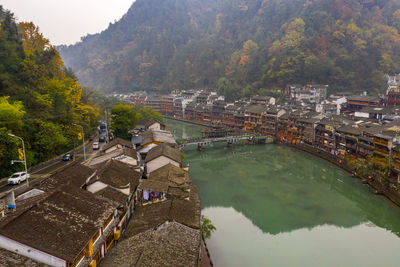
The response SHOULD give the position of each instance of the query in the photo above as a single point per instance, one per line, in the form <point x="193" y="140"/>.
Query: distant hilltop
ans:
<point x="242" y="48"/>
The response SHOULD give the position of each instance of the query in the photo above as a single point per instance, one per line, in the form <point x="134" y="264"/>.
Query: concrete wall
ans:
<point x="96" y="186"/>
<point x="30" y="252"/>
<point x="155" y="126"/>
<point x="31" y="193"/>
<point x="159" y="162"/>
<point x="111" y="149"/>
<point x="127" y="160"/>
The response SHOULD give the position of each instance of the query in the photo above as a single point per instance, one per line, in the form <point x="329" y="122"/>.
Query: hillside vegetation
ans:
<point x="242" y="47"/>
<point x="40" y="101"/>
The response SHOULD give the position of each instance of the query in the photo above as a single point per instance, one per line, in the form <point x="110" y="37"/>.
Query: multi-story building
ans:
<point x="200" y="113"/>
<point x="306" y="129"/>
<point x="202" y="97"/>
<point x="240" y="119"/>
<point x="228" y="116"/>
<point x="346" y="140"/>
<point x="217" y="108"/>
<point x="393" y="91"/>
<point x="138" y="100"/>
<point x="313" y="93"/>
<point x="365" y="144"/>
<point x="383" y="143"/>
<point x="283" y="124"/>
<point x="178" y="108"/>
<point x="325" y="135"/>
<point x="154" y="102"/>
<point x="253" y="117"/>
<point x="189" y="112"/>
<point x="269" y="121"/>
<point x="356" y="103"/>
<point x="262" y="100"/>
<point x="395" y="166"/>
<point x="167" y="105"/>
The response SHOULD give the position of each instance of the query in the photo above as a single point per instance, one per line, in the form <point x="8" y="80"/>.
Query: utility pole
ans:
<point x="24" y="161"/>
<point x="83" y="140"/>
<point x="107" y="129"/>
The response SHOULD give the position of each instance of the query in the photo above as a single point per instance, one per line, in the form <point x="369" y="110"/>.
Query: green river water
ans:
<point x="277" y="206"/>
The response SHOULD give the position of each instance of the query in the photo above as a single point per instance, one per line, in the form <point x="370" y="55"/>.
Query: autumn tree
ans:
<point x="38" y="101"/>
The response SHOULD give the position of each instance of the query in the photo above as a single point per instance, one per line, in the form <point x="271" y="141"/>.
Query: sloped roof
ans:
<point x="170" y="173"/>
<point x="158" y="136"/>
<point x="118" y="174"/>
<point x="61" y="224"/>
<point x="117" y="141"/>
<point x="147" y="123"/>
<point x="184" y="211"/>
<point x="373" y="130"/>
<point x="74" y="174"/>
<point x="112" y="194"/>
<point x="363" y="98"/>
<point x="256" y="109"/>
<point x="171" y="244"/>
<point x="164" y="150"/>
<point x="350" y="129"/>
<point x="102" y="156"/>
<point x="153" y="185"/>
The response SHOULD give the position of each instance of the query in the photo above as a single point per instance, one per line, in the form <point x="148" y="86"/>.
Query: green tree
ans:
<point x="123" y="119"/>
<point x="11" y="114"/>
<point x="8" y="152"/>
<point x="49" y="140"/>
<point x="206" y="227"/>
<point x="145" y="113"/>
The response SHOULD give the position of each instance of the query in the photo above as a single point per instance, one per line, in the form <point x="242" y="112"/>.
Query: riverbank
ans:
<point x="342" y="163"/>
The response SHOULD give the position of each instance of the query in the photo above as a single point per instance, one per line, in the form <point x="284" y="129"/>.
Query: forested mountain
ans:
<point x="242" y="47"/>
<point x="39" y="100"/>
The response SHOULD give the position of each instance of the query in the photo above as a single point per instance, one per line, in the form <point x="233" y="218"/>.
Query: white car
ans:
<point x="95" y="145"/>
<point x="18" y="177"/>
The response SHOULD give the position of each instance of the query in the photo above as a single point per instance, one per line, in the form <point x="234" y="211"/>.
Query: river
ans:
<point x="276" y="206"/>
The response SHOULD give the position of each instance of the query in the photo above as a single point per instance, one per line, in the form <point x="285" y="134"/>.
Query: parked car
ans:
<point x="102" y="139"/>
<point x="95" y="145"/>
<point x="68" y="157"/>
<point x="18" y="177"/>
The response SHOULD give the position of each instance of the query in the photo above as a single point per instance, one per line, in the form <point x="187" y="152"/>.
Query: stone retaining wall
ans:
<point x="344" y="165"/>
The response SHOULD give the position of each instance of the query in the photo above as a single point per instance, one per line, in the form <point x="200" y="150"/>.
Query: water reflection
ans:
<point x="281" y="190"/>
<point x="238" y="242"/>
<point x="278" y="202"/>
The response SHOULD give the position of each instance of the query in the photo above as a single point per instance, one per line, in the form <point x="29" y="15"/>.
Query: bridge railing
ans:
<point x="216" y="139"/>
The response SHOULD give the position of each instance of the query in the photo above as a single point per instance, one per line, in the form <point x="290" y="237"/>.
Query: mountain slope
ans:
<point x="242" y="47"/>
<point x="39" y="101"/>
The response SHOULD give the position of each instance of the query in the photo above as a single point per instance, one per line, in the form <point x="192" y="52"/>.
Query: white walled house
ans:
<point x="129" y="156"/>
<point x="117" y="175"/>
<point x="117" y="143"/>
<point x="150" y="124"/>
<point x="162" y="155"/>
<point x="160" y="162"/>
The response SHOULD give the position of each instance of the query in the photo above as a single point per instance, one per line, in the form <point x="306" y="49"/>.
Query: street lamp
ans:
<point x="83" y="140"/>
<point x="23" y="149"/>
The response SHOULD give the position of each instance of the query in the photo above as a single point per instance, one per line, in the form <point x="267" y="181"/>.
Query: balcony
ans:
<point x="382" y="142"/>
<point x="381" y="151"/>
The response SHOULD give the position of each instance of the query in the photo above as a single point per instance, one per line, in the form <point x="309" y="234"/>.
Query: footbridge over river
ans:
<point x="202" y="142"/>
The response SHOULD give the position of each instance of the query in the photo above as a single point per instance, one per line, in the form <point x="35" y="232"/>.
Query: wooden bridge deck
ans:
<point x="229" y="139"/>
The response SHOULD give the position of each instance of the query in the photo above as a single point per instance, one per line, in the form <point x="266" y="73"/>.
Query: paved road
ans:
<point x="38" y="174"/>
